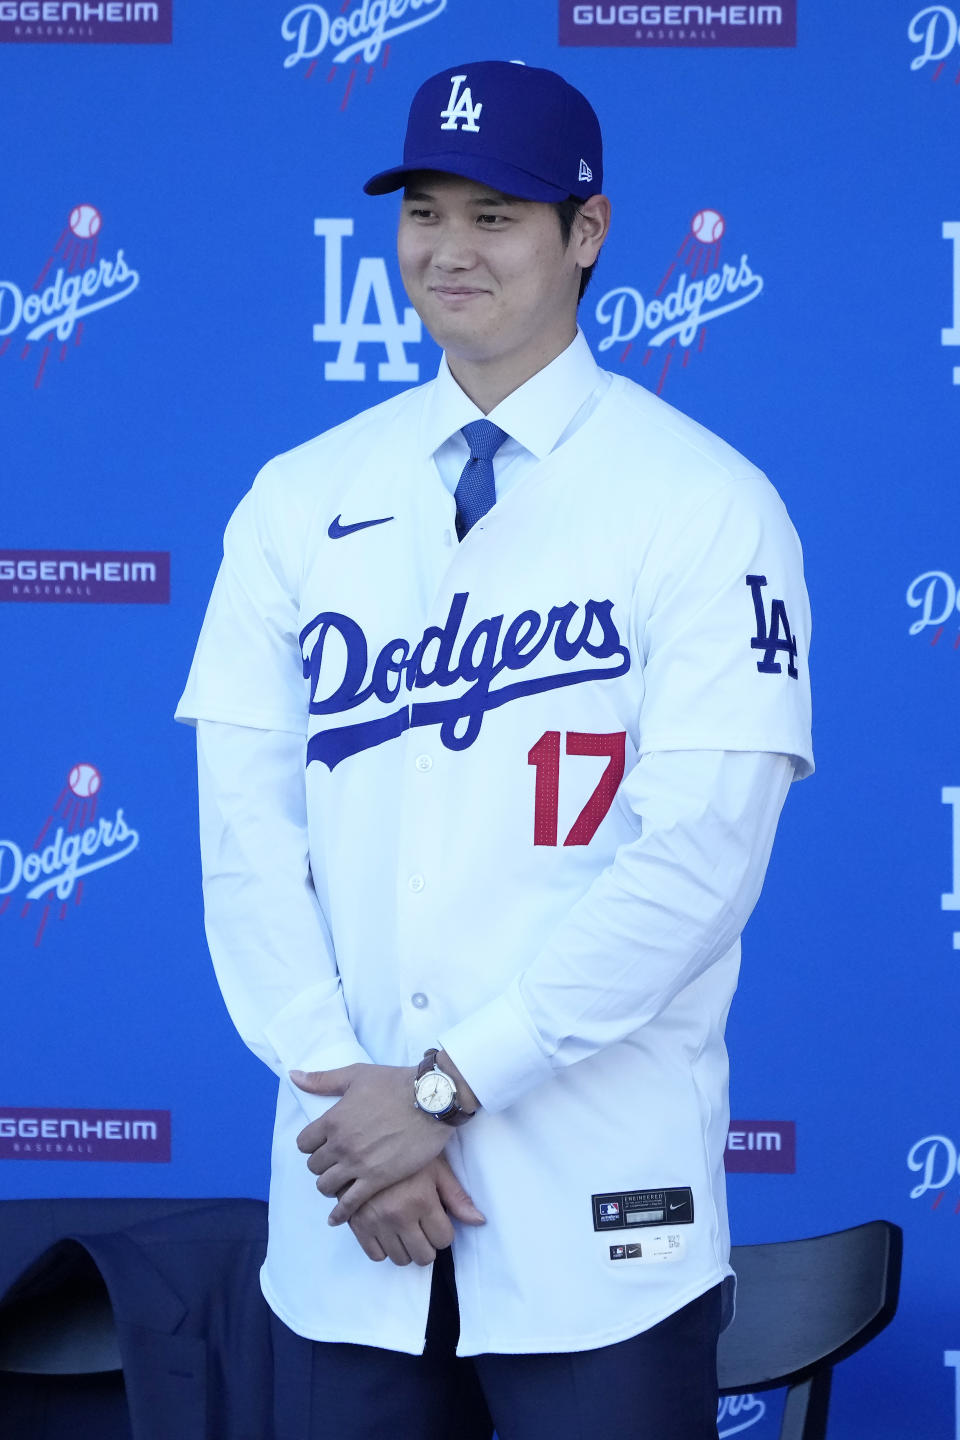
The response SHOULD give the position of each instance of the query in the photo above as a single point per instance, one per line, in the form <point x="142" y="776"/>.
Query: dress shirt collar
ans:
<point x="535" y="415"/>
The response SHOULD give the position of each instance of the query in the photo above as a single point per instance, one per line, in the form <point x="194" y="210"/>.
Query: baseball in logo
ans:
<point x="73" y="842"/>
<point x="355" y="38"/>
<point x="695" y="289"/>
<point x="72" y="284"/>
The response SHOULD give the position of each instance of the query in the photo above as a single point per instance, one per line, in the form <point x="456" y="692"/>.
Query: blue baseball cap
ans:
<point x="521" y="130"/>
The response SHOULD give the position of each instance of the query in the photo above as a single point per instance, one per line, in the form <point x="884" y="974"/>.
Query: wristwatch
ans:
<point x="436" y="1094"/>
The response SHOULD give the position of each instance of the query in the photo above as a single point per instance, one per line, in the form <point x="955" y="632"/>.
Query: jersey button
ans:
<point x="419" y="1001"/>
<point x="416" y="883"/>
<point x="423" y="762"/>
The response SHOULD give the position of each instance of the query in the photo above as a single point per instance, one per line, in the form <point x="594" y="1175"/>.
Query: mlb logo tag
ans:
<point x="610" y="1211"/>
<point x="618" y="1252"/>
<point x="460" y="106"/>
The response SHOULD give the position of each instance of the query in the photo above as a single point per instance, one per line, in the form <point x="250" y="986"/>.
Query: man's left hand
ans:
<point x="373" y="1136"/>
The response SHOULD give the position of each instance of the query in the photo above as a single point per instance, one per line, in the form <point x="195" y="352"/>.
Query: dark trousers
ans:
<point x="660" y="1385"/>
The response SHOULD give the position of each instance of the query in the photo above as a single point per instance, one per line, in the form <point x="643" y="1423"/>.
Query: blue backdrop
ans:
<point x="187" y="271"/>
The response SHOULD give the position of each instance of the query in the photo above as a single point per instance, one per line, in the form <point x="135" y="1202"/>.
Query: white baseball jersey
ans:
<point x="492" y="733"/>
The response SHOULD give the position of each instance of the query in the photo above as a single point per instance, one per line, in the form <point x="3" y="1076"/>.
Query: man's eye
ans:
<point x="419" y="214"/>
<point x="492" y="219"/>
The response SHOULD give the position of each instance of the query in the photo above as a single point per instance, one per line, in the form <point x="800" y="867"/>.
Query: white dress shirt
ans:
<point x="538" y="417"/>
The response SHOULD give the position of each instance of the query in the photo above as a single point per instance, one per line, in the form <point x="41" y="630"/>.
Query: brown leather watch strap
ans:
<point x="457" y="1115"/>
<point x="427" y="1063"/>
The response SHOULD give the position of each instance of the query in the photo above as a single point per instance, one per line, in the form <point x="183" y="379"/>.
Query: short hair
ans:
<point x="567" y="211"/>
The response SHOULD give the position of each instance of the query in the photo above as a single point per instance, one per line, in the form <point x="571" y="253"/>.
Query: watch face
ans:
<point x="435" y="1092"/>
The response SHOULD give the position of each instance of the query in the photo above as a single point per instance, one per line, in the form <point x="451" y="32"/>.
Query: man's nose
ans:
<point x="454" y="248"/>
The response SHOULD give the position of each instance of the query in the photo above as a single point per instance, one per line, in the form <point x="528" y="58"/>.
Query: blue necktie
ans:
<point x="476" y="493"/>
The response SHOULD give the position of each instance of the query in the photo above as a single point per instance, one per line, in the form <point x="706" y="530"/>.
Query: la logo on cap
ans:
<point x="460" y="107"/>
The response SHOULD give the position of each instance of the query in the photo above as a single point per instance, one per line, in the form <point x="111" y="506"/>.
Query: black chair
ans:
<point x="802" y="1306"/>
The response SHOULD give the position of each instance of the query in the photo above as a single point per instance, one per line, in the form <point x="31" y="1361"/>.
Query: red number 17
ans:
<point x="545" y="755"/>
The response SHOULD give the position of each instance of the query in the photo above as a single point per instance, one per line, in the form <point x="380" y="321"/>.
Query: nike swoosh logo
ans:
<point x="679" y="1205"/>
<point x="337" y="531"/>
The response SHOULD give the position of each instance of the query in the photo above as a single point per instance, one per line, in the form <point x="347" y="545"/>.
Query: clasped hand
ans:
<point x="373" y="1137"/>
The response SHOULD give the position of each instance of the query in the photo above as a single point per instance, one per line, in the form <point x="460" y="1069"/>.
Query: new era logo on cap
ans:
<point x="585" y="172"/>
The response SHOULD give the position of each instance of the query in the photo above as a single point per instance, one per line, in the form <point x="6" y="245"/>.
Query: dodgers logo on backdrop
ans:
<point x="694" y="290"/>
<point x="356" y="32"/>
<point x="64" y="22"/>
<point x="72" y="284"/>
<point x="936" y="596"/>
<point x="442" y="657"/>
<point x="936" y="1160"/>
<point x="371" y="285"/>
<point x="935" y="34"/>
<point x="736" y="1413"/>
<point x="656" y="24"/>
<point x="73" y="842"/>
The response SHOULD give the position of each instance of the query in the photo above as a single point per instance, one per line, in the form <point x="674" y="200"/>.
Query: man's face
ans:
<point x="489" y="276"/>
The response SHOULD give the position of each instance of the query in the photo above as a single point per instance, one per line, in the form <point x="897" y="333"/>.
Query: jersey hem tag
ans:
<point x="633" y="1209"/>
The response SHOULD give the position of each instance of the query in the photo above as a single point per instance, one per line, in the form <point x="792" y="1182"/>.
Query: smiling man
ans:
<point x="499" y="694"/>
<point x="511" y="310"/>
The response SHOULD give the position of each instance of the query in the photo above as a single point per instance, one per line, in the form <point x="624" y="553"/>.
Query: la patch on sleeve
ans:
<point x="774" y="635"/>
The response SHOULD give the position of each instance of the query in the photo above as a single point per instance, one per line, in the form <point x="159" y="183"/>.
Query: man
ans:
<point x="541" y="642"/>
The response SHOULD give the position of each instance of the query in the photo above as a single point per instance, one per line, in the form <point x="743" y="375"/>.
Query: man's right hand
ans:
<point x="411" y="1220"/>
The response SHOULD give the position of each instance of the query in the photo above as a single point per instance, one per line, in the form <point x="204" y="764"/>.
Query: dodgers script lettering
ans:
<point x="936" y="1156"/>
<point x="681" y="312"/>
<point x="440" y="658"/>
<point x="67" y="299"/>
<point x="60" y="865"/>
<point x="934" y="29"/>
<point x="365" y="30"/>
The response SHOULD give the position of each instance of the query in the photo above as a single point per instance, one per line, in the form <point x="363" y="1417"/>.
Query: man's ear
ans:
<point x="591" y="226"/>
